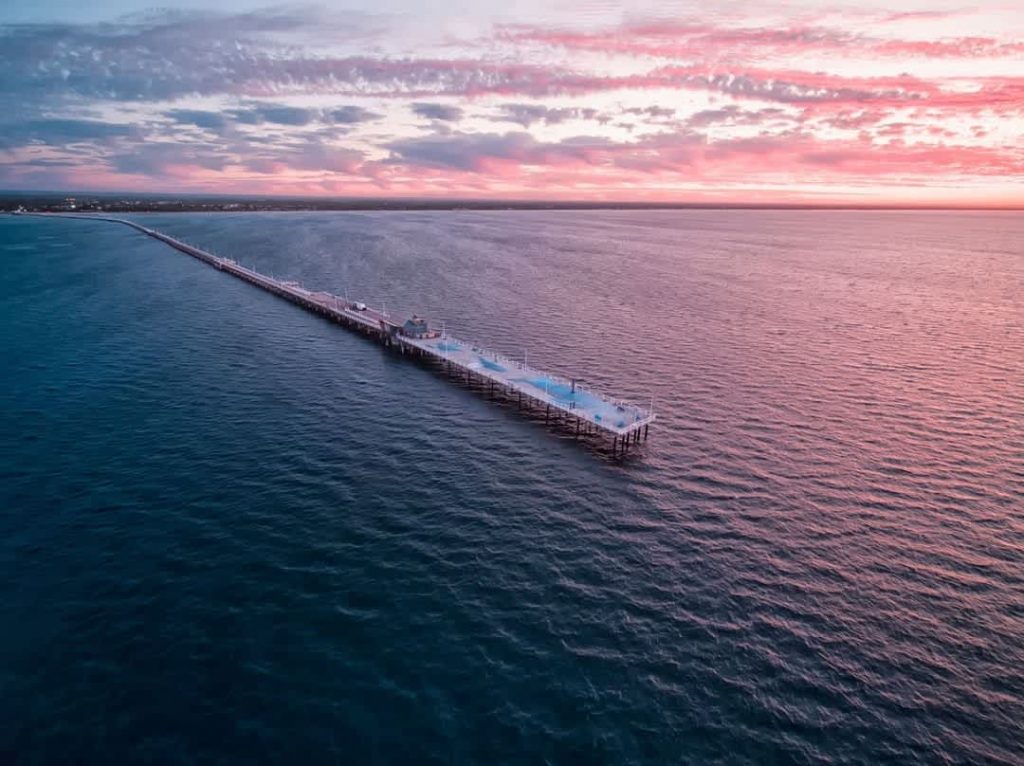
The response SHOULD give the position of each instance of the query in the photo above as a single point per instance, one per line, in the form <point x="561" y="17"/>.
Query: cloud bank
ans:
<point x="299" y="100"/>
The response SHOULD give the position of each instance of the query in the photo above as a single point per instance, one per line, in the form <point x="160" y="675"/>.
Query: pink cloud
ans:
<point x="687" y="155"/>
<point x="778" y="106"/>
<point x="519" y="165"/>
<point x="961" y="47"/>
<point x="697" y="40"/>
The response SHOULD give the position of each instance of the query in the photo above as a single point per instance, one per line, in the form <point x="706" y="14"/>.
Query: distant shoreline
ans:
<point x="56" y="202"/>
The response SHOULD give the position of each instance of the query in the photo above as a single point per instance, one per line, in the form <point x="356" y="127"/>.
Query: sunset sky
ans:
<point x="868" y="102"/>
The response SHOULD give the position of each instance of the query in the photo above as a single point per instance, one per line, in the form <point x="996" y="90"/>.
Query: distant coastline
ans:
<point x="55" y="202"/>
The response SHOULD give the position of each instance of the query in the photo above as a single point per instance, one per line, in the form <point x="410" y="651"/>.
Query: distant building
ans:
<point x="417" y="327"/>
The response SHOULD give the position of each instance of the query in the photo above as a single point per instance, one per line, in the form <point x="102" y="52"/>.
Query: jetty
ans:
<point x="563" y="401"/>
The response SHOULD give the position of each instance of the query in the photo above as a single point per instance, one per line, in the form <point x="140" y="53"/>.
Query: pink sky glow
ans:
<point x="892" y="103"/>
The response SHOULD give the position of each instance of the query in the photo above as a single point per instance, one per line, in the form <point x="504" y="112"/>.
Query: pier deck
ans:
<point x="564" y="396"/>
<point x="587" y="411"/>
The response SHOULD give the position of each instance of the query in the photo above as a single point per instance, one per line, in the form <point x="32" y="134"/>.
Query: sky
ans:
<point x="896" y="102"/>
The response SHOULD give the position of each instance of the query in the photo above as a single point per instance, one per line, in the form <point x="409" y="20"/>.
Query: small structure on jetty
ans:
<point x="561" y="400"/>
<point x="418" y="328"/>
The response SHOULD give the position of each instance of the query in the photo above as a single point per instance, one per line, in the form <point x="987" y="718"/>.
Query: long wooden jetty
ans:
<point x="562" y="401"/>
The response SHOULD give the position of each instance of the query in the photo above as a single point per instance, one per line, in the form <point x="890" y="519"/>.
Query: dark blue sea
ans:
<point x="233" y="533"/>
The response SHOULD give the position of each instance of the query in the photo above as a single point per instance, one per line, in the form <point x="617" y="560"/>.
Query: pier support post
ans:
<point x="648" y="425"/>
<point x="615" y="441"/>
<point x="547" y="414"/>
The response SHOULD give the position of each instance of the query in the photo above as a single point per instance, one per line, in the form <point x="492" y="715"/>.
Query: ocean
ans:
<point x="233" y="533"/>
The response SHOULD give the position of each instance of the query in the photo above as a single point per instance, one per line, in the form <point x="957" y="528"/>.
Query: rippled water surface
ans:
<point x="231" y="532"/>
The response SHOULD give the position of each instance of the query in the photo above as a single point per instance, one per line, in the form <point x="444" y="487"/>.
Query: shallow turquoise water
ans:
<point x="235" y="533"/>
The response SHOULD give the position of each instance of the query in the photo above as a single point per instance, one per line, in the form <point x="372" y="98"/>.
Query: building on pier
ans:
<point x="418" y="327"/>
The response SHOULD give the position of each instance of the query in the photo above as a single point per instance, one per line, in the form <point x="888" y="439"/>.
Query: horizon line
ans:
<point x="15" y="195"/>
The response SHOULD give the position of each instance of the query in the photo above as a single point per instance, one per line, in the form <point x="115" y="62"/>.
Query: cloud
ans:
<point x="61" y="132"/>
<point x="234" y="98"/>
<point x="168" y="56"/>
<point x="796" y="87"/>
<point x="684" y="39"/>
<point x="471" y="151"/>
<point x="697" y="39"/>
<point x="173" y="56"/>
<point x="650" y="111"/>
<point x="528" y="114"/>
<point x="442" y="112"/>
<point x="157" y="158"/>
<point x="480" y="152"/>
<point x="851" y="119"/>
<point x="461" y="151"/>
<point x="682" y="153"/>
<point x="310" y="156"/>
<point x="351" y="115"/>
<point x="732" y="114"/>
<point x="252" y="113"/>
<point x="956" y="48"/>
<point x="275" y="114"/>
<point x="207" y="120"/>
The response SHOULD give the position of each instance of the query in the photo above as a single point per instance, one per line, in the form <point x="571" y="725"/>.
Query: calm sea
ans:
<point x="232" y="533"/>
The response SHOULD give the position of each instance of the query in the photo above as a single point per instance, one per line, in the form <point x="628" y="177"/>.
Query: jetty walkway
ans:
<point x="561" y="400"/>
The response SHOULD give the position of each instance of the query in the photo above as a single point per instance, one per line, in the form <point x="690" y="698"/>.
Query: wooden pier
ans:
<point x="564" y="402"/>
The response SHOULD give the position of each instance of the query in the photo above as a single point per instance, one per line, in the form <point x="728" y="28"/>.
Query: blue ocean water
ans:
<point x="233" y="533"/>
